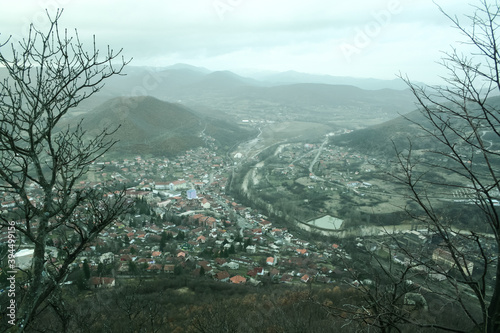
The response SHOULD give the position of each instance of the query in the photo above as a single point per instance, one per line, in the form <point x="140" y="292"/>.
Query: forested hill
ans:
<point x="380" y="139"/>
<point x="150" y="126"/>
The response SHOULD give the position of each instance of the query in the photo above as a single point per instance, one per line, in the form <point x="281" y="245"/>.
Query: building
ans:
<point x="222" y="276"/>
<point x="24" y="258"/>
<point x="161" y="186"/>
<point x="178" y="184"/>
<point x="191" y="194"/>
<point x="445" y="261"/>
<point x="326" y="222"/>
<point x="238" y="279"/>
<point x="99" y="282"/>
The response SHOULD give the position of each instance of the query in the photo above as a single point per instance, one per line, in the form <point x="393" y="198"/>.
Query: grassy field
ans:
<point x="294" y="131"/>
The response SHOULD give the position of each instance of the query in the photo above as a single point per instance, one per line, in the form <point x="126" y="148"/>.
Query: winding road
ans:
<point x="316" y="160"/>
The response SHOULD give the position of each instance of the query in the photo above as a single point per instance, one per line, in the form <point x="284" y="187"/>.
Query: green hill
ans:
<point x="147" y="125"/>
<point x="307" y="94"/>
<point x="227" y="135"/>
<point x="380" y="139"/>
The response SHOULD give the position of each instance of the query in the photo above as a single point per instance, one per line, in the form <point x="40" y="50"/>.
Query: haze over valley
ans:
<point x="250" y="167"/>
<point x="312" y="109"/>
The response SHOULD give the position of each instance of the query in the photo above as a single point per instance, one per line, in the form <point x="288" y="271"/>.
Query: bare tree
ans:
<point x="48" y="74"/>
<point x="452" y="175"/>
<point x="463" y="120"/>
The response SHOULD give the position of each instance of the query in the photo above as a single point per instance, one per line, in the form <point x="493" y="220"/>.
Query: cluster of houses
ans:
<point x="212" y="235"/>
<point x="218" y="249"/>
<point x="354" y="165"/>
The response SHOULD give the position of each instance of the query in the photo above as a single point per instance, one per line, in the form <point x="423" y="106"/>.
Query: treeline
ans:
<point x="181" y="304"/>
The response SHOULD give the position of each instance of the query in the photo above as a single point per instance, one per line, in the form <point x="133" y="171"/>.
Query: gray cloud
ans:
<point x="385" y="36"/>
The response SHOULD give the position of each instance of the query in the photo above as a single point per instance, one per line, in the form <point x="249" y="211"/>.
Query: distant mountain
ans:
<point x="221" y="81"/>
<point x="310" y="94"/>
<point x="335" y="104"/>
<point x="189" y="67"/>
<point x="227" y="96"/>
<point x="149" y="81"/>
<point x="292" y="77"/>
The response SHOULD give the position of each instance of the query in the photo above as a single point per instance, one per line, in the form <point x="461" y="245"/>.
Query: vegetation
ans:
<point x="421" y="279"/>
<point x="182" y="304"/>
<point x="48" y="74"/>
<point x="148" y="126"/>
<point x="226" y="134"/>
<point x="454" y="120"/>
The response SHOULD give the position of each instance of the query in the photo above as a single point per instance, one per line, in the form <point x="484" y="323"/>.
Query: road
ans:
<point x="311" y="166"/>
<point x="489" y="141"/>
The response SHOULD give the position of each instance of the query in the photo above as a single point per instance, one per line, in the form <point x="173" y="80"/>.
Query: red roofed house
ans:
<point x="98" y="282"/>
<point x="178" y="184"/>
<point x="257" y="231"/>
<point x="238" y="279"/>
<point x="222" y="276"/>
<point x="155" y="268"/>
<point x="270" y="261"/>
<point x="205" y="264"/>
<point x="125" y="257"/>
<point x="305" y="278"/>
<point x="302" y="251"/>
<point x="265" y="224"/>
<point x="256" y="271"/>
<point x="169" y="269"/>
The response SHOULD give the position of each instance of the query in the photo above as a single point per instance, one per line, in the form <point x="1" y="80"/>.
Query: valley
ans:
<point x="250" y="166"/>
<point x="239" y="183"/>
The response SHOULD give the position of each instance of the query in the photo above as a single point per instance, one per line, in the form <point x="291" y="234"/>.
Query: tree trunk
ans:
<point x="35" y="290"/>
<point x="493" y="322"/>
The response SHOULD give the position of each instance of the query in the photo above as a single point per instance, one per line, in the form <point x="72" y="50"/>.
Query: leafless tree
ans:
<point x="458" y="169"/>
<point x="48" y="74"/>
<point x="462" y="119"/>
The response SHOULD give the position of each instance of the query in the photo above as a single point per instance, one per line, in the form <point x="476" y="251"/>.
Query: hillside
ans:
<point x="378" y="139"/>
<point x="292" y="77"/>
<point x="231" y="97"/>
<point x="147" y="125"/>
<point x="307" y="94"/>
<point x="381" y="138"/>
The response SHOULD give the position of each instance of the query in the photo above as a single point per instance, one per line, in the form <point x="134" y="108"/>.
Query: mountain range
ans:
<point x="229" y="96"/>
<point x="148" y="126"/>
<point x="291" y="77"/>
<point x="165" y="110"/>
<point x="224" y="94"/>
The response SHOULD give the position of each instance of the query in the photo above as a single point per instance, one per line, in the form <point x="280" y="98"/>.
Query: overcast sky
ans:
<point x="361" y="38"/>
